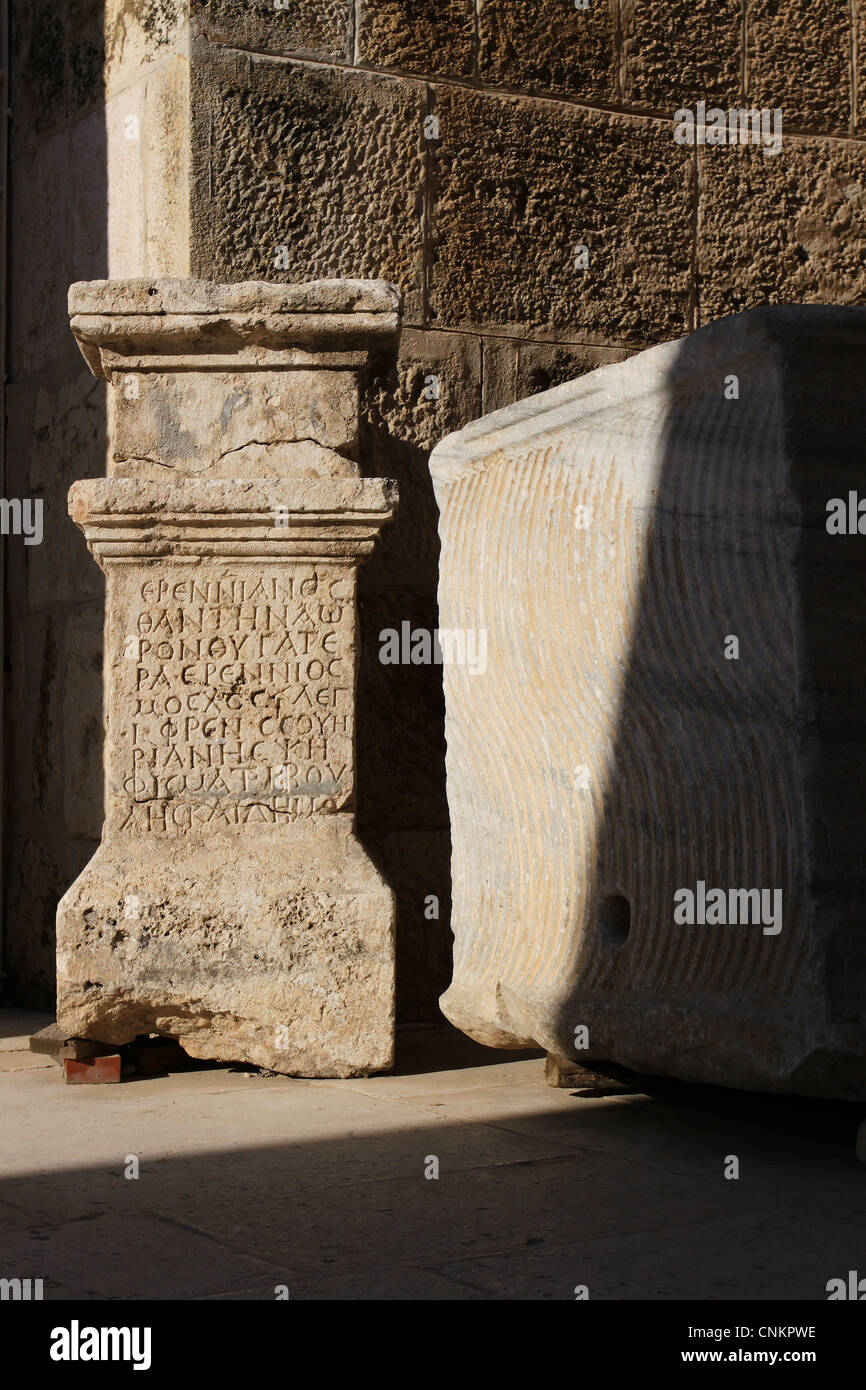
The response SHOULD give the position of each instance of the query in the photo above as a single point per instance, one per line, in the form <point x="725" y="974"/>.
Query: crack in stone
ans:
<point x="267" y="443"/>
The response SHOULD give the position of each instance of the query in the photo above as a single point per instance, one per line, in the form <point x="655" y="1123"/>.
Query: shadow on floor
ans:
<point x="247" y="1183"/>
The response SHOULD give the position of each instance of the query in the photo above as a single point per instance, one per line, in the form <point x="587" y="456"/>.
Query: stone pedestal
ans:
<point x="230" y="904"/>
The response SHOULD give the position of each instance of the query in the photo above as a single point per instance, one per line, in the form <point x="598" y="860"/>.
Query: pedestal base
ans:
<point x="272" y="949"/>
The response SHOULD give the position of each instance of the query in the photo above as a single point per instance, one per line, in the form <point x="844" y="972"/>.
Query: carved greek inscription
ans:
<point x="237" y="700"/>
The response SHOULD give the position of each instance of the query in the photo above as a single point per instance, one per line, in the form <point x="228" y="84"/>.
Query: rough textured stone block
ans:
<point x="311" y="28"/>
<point x="38" y="280"/>
<point x="859" y="66"/>
<point x="58" y="65"/>
<point x="86" y="174"/>
<point x="230" y="904"/>
<point x="800" y="232"/>
<point x="550" y="46"/>
<point x="678" y="52"/>
<point x="432" y="389"/>
<point x="511" y="211"/>
<point x="798" y="57"/>
<point x="39" y="875"/>
<point x="671" y="713"/>
<point x="273" y="140"/>
<point x="513" y="370"/>
<point x="418" y="35"/>
<point x="33" y="708"/>
<point x="67" y="438"/>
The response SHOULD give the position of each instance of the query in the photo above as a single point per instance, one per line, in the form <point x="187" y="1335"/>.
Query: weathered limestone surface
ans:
<point x="799" y="237"/>
<point x="510" y="216"/>
<point x="318" y="29"/>
<point x="677" y="52"/>
<point x="549" y="46"/>
<point x="269" y="140"/>
<point x="240" y="343"/>
<point x="230" y="903"/>
<point x="612" y="536"/>
<point x="799" y="58"/>
<point x="417" y="35"/>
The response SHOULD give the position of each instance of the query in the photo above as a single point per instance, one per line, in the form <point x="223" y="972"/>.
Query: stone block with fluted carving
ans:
<point x="655" y="785"/>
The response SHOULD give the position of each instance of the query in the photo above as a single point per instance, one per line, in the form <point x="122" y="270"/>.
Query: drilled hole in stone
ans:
<point x="614" y="918"/>
<point x="539" y="380"/>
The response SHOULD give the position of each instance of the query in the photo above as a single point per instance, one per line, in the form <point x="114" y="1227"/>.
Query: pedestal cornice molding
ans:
<point x="278" y="519"/>
<point x="120" y="325"/>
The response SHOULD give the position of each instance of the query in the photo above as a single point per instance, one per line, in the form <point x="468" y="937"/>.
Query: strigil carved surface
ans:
<point x="654" y="788"/>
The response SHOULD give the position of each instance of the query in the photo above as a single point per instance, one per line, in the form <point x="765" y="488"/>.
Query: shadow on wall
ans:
<point x="52" y="768"/>
<point x="739" y="752"/>
<point x="402" y="807"/>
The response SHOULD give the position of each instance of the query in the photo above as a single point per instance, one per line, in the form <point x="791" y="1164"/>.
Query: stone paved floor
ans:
<point x="248" y="1182"/>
